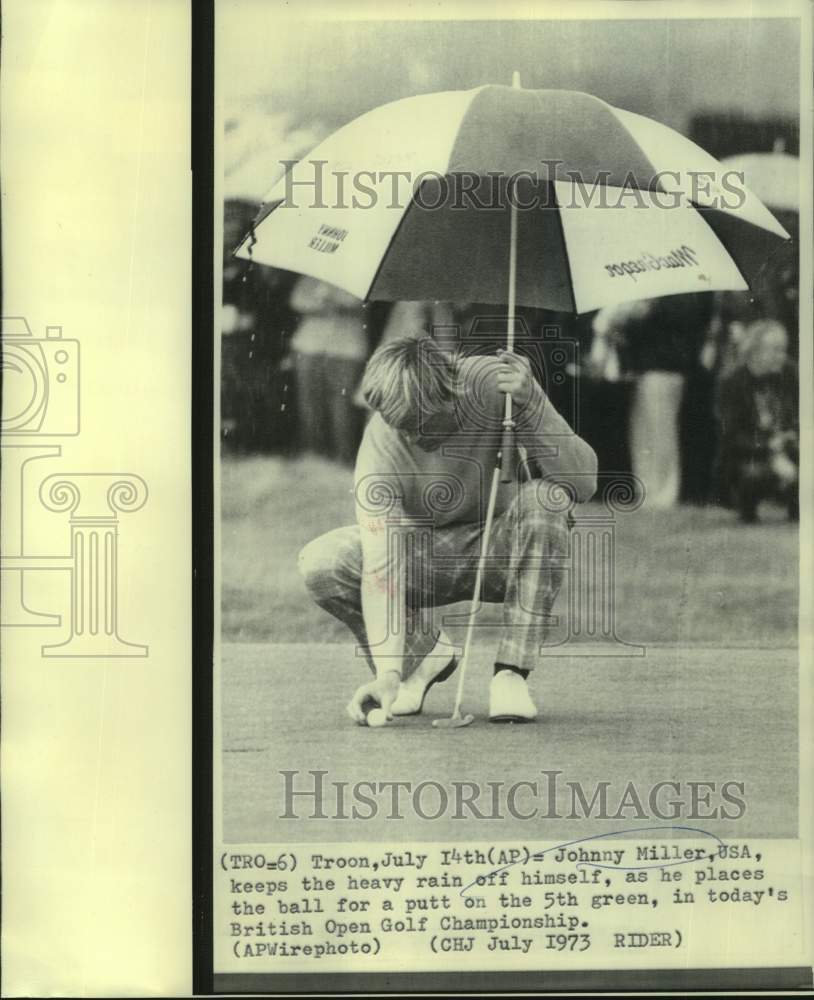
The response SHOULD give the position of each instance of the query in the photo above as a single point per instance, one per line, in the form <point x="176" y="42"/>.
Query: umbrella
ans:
<point x="547" y="198"/>
<point x="391" y="206"/>
<point x="773" y="177"/>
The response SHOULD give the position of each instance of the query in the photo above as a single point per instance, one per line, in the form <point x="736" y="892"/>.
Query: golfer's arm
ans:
<point x="384" y="601"/>
<point x="562" y="454"/>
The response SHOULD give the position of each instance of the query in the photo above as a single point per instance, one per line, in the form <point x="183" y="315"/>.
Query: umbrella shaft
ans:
<point x="512" y="296"/>
<point x="506" y="448"/>
<point x="476" y="596"/>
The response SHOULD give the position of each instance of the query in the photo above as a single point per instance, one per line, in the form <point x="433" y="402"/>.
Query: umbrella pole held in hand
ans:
<point x="507" y="442"/>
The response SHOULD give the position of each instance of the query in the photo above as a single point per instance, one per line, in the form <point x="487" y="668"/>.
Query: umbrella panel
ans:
<point x="550" y="133"/>
<point x="460" y="252"/>
<point x="754" y="250"/>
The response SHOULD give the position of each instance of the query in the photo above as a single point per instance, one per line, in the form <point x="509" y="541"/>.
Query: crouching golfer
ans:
<point x="422" y="482"/>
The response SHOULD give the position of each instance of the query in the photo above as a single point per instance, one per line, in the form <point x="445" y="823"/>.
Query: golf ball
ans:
<point x="376" y="717"/>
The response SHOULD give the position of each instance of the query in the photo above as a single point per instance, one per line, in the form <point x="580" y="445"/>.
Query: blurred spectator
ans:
<point x="611" y="327"/>
<point x="412" y="319"/>
<point x="256" y="325"/>
<point x="781" y="292"/>
<point x="600" y="388"/>
<point x="329" y="352"/>
<point x="660" y="345"/>
<point x="256" y="397"/>
<point x="759" y="423"/>
<point x="732" y="314"/>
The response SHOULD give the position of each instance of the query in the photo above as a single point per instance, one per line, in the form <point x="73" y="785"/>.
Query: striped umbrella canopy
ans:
<point x="547" y="198"/>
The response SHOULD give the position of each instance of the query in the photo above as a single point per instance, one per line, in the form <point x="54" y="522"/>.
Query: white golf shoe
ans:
<point x="412" y="692"/>
<point x="509" y="699"/>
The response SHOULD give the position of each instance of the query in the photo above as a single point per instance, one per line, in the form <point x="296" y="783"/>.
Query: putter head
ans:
<point x="455" y="722"/>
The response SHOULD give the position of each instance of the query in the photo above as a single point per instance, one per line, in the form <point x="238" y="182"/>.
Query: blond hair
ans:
<point x="408" y="381"/>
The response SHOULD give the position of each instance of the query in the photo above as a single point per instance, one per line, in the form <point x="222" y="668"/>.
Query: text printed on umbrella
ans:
<point x="684" y="256"/>
<point x="328" y="239"/>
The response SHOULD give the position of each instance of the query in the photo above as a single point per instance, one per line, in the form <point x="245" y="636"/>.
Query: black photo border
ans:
<point x="202" y="167"/>
<point x="203" y="454"/>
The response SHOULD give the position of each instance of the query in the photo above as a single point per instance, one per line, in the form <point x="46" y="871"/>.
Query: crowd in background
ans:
<point x="711" y="398"/>
<point x="695" y="394"/>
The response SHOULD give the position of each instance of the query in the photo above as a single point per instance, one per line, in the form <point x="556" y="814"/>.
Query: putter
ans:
<point x="456" y="720"/>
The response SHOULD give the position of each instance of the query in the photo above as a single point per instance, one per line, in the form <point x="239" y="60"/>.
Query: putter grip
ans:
<point x="507" y="456"/>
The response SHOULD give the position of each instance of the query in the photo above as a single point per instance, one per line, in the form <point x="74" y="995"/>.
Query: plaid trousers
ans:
<point x="523" y="570"/>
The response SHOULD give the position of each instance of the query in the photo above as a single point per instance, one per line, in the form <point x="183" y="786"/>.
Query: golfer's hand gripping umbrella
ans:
<point x="571" y="204"/>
